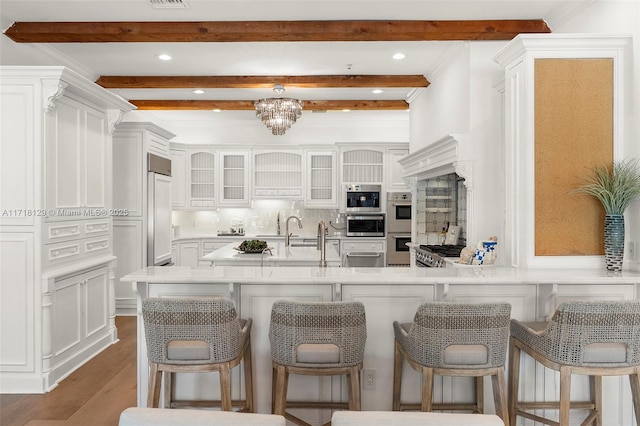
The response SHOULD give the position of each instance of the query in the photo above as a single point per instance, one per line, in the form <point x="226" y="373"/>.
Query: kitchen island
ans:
<point x="388" y="294"/>
<point x="278" y="254"/>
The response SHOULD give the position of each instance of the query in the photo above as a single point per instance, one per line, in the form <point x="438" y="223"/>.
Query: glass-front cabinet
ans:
<point x="202" y="185"/>
<point x="321" y="179"/>
<point x="277" y="174"/>
<point x="234" y="179"/>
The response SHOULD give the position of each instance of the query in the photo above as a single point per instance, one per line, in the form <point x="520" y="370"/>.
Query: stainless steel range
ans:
<point x="433" y="256"/>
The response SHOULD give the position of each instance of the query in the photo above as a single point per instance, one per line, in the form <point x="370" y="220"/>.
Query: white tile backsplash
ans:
<point x="259" y="219"/>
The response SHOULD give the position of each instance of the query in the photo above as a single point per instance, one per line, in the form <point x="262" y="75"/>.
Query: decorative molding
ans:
<point x="448" y="57"/>
<point x="435" y="159"/>
<point x="567" y="11"/>
<point x="464" y="169"/>
<point x="52" y="90"/>
<point x="114" y="117"/>
<point x="414" y="94"/>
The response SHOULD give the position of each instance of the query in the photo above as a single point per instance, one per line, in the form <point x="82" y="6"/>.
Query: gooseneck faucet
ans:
<point x="322" y="243"/>
<point x="286" y="229"/>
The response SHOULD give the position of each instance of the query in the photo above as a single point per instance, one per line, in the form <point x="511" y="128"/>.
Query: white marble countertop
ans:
<point x="266" y="237"/>
<point x="389" y="275"/>
<point x="279" y="253"/>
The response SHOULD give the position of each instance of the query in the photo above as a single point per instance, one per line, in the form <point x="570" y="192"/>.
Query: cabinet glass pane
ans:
<point x="233" y="193"/>
<point x="321" y="162"/>
<point x="202" y="175"/>
<point x="234" y="177"/>
<point x="234" y="162"/>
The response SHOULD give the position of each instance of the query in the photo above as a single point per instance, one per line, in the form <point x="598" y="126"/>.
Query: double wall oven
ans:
<point x="398" y="228"/>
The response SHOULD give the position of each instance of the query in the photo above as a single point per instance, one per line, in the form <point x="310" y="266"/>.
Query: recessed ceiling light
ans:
<point x="377" y="91"/>
<point x="198" y="91"/>
<point x="164" y="57"/>
<point x="398" y="56"/>
<point x="346" y="110"/>
<point x="217" y="110"/>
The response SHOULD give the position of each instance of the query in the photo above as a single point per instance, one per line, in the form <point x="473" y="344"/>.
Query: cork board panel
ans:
<point x="573" y="132"/>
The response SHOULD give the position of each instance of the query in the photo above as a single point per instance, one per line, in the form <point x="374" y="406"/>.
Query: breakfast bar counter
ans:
<point x="389" y="294"/>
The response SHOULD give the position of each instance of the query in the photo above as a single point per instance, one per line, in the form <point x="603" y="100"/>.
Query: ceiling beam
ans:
<point x="264" y="31"/>
<point x="248" y="105"/>
<point x="254" y="82"/>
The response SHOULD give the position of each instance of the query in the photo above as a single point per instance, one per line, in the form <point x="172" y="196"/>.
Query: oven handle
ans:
<point x="362" y="255"/>
<point x="401" y="204"/>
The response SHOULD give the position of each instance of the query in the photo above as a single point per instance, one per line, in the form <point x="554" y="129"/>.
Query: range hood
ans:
<point x="436" y="159"/>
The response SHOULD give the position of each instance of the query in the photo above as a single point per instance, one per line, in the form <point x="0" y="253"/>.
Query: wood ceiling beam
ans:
<point x="253" y="82"/>
<point x="264" y="31"/>
<point x="388" y="105"/>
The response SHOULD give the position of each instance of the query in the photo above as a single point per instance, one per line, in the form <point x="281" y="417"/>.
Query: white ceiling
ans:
<point x="282" y="58"/>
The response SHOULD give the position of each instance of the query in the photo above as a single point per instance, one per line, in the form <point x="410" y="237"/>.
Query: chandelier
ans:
<point x="278" y="113"/>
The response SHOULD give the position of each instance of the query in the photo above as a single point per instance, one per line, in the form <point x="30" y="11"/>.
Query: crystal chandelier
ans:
<point x="278" y="113"/>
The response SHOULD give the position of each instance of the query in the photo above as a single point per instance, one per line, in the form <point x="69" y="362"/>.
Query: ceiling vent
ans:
<point x="169" y="4"/>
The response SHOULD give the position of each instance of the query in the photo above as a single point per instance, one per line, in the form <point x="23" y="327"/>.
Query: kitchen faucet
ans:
<point x="286" y="230"/>
<point x="322" y="243"/>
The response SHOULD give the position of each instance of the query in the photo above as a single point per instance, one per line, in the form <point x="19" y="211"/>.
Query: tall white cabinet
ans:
<point x="56" y="258"/>
<point x="132" y="141"/>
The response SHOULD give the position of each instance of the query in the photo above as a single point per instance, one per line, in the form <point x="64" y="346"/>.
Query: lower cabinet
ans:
<point x="189" y="253"/>
<point x="79" y="318"/>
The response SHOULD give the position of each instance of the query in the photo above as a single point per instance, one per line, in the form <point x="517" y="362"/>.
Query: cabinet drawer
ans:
<point x="63" y="252"/>
<point x="363" y="246"/>
<point x="56" y="231"/>
<point x="97" y="246"/>
<point x="96" y="227"/>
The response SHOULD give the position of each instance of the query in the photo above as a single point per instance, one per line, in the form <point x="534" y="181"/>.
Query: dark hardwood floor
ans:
<point x="95" y="394"/>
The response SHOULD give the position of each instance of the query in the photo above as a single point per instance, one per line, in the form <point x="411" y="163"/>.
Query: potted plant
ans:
<point x="615" y="188"/>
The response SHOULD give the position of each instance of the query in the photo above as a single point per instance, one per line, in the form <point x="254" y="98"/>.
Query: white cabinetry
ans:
<point x="132" y="142"/>
<point x="178" y="178"/>
<point x="77" y="159"/>
<point x="363" y="252"/>
<point x="277" y="174"/>
<point x="79" y="316"/>
<point x="321" y="180"/>
<point x="394" y="169"/>
<point x="56" y="141"/>
<point x="202" y="178"/>
<point x="362" y="165"/>
<point x="189" y="253"/>
<point x="234" y="179"/>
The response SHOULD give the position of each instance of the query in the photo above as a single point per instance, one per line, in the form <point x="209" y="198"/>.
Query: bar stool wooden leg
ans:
<point x="248" y="378"/>
<point x="500" y="396"/>
<point x="153" y="394"/>
<point x="634" y="379"/>
<point x="225" y="387"/>
<point x="427" y="388"/>
<point x="354" y="389"/>
<point x="565" y="395"/>
<point x="398" y="361"/>
<point x="514" y="379"/>
<point x="281" y="390"/>
<point x="595" y="389"/>
<point x="168" y="388"/>
<point x="479" y="383"/>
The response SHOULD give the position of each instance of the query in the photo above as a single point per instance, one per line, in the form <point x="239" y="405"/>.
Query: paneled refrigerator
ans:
<point x="158" y="211"/>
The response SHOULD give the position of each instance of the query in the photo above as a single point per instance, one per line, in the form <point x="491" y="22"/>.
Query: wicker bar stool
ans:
<point x="316" y="339"/>
<point x="454" y="339"/>
<point x="196" y="336"/>
<point x="590" y="338"/>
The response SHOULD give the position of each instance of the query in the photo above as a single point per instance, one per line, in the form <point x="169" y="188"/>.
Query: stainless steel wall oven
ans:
<point x="398" y="228"/>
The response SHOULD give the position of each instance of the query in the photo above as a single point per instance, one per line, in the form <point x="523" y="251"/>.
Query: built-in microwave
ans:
<point x="365" y="225"/>
<point x="362" y="198"/>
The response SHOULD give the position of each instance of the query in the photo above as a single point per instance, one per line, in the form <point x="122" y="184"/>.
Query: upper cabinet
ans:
<point x="395" y="170"/>
<point x="178" y="178"/>
<point x="360" y="165"/>
<point x="277" y="174"/>
<point x="234" y="179"/>
<point x="208" y="177"/>
<point x="77" y="159"/>
<point x="321" y="179"/>
<point x="202" y="182"/>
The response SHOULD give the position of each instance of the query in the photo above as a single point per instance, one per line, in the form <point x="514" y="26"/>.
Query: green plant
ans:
<point x="616" y="188"/>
